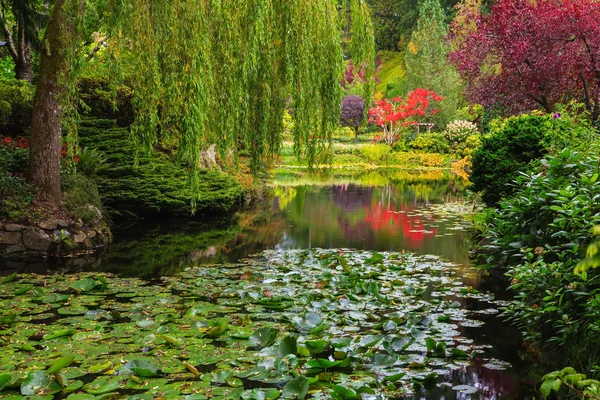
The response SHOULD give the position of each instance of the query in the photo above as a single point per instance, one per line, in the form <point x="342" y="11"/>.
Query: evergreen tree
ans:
<point x="427" y="64"/>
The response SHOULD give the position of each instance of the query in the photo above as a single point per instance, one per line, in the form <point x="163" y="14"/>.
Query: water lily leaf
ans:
<point x="376" y="258"/>
<point x="257" y="394"/>
<point x="103" y="385"/>
<point x="9" y="278"/>
<point x="81" y="397"/>
<point x="61" y="363"/>
<point x="297" y="388"/>
<point x="35" y="382"/>
<point x="288" y="346"/>
<point x="74" y="386"/>
<point x="384" y="359"/>
<point x="263" y="337"/>
<point x="8" y="319"/>
<point x="345" y="393"/>
<point x="465" y="389"/>
<point x="4" y="380"/>
<point x="139" y="367"/>
<point x="60" y="333"/>
<point x="83" y="285"/>
<point x="458" y="353"/>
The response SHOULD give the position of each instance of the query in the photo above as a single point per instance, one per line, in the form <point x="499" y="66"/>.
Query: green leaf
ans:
<point x="550" y="385"/>
<point x="60" y="364"/>
<point x="84" y="285"/>
<point x="9" y="278"/>
<point x="288" y="346"/>
<point x="35" y="382"/>
<point x="297" y="388"/>
<point x="4" y="380"/>
<point x="263" y="337"/>
<point x="139" y="367"/>
<point x="376" y="258"/>
<point x="8" y="319"/>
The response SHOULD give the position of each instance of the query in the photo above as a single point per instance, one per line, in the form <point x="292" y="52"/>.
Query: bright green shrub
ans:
<point x="467" y="147"/>
<point x="376" y="152"/>
<point x="520" y="140"/>
<point x="430" y="143"/>
<point x="16" y="106"/>
<point x="103" y="102"/>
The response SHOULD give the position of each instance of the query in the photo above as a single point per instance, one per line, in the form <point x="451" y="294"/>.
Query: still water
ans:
<point x="424" y="213"/>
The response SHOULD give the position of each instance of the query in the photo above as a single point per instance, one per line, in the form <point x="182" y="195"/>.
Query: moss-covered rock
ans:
<point x="157" y="185"/>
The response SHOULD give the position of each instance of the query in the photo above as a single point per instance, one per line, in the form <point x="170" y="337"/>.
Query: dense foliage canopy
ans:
<point x="525" y="54"/>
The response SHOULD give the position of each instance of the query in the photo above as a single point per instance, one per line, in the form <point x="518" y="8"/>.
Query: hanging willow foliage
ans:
<point x="224" y="71"/>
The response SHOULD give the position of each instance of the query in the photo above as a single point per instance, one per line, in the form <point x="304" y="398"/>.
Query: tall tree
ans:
<point x="528" y="54"/>
<point x="216" y="71"/>
<point x="426" y="60"/>
<point x="19" y="21"/>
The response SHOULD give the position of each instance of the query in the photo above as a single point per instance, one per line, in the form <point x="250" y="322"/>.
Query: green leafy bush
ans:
<point x="568" y="379"/>
<point x="79" y="193"/>
<point x="103" y="101"/>
<point x="16" y="106"/>
<point x="556" y="204"/>
<point x="376" y="152"/>
<point x="430" y="143"/>
<point x="519" y="141"/>
<point x="539" y="235"/>
<point x="467" y="147"/>
<point x="90" y="161"/>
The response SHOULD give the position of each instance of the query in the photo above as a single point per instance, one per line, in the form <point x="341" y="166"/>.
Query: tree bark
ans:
<point x="20" y="53"/>
<point x="23" y="64"/>
<point x="46" y="128"/>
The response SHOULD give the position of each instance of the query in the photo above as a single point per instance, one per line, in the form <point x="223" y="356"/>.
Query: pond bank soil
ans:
<point x="52" y="238"/>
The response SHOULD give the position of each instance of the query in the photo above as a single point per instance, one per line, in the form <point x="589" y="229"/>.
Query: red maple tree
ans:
<point x="524" y="54"/>
<point x="391" y="115"/>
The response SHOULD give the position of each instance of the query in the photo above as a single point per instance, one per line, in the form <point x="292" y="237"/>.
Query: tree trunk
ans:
<point x="23" y="64"/>
<point x="46" y="129"/>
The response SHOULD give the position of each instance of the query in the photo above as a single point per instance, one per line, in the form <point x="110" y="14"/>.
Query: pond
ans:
<point x="348" y="286"/>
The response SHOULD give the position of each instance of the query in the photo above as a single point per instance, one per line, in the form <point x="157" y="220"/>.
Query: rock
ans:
<point x="48" y="225"/>
<point x="35" y="239"/>
<point x="91" y="234"/>
<point x="96" y="211"/>
<point x="61" y="234"/>
<point x="62" y="223"/>
<point x="17" y="248"/>
<point x="14" y="227"/>
<point x="10" y="237"/>
<point x="79" y="237"/>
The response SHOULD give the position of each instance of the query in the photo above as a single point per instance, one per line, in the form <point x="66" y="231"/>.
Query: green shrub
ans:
<point x="467" y="147"/>
<point x="430" y="143"/>
<point x="376" y="152"/>
<point x="519" y="141"/>
<point x="90" y="161"/>
<point x="79" y="193"/>
<point x="13" y="160"/>
<point x="158" y="184"/>
<point x="539" y="235"/>
<point x="16" y="106"/>
<point x="105" y="102"/>
<point x="555" y="206"/>
<point x="16" y="196"/>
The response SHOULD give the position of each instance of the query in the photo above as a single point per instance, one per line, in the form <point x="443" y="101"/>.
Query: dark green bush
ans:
<point x="554" y="208"/>
<point x="157" y="185"/>
<point x="522" y="139"/>
<point x="538" y="236"/>
<point x="79" y="193"/>
<point x="16" y="106"/>
<point x="13" y="159"/>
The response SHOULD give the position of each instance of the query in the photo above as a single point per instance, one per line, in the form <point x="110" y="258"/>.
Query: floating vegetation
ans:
<point x="286" y="324"/>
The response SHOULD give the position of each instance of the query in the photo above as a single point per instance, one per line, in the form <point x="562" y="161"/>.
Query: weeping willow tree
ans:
<point x="206" y="72"/>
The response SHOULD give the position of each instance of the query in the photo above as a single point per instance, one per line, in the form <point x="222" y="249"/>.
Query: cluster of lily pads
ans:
<point x="285" y="324"/>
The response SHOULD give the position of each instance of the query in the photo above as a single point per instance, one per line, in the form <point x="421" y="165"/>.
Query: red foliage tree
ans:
<point x="526" y="53"/>
<point x="393" y="114"/>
